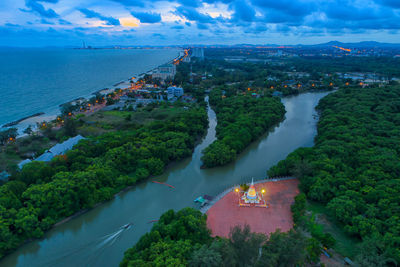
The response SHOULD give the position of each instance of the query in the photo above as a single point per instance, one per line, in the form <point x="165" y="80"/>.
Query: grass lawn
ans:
<point x="345" y="245"/>
<point x="107" y="121"/>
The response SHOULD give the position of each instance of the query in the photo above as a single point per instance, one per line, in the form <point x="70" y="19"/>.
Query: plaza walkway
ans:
<point x="279" y="195"/>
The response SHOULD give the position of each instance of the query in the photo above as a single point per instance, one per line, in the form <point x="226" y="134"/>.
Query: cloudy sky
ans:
<point x="168" y="22"/>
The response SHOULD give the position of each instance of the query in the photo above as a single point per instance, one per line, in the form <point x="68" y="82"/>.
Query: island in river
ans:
<point x="59" y="244"/>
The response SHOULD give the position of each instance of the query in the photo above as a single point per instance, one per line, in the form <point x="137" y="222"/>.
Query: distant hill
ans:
<point x="365" y="44"/>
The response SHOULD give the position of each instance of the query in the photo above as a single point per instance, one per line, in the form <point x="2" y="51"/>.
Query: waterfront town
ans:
<point x="207" y="133"/>
<point x="161" y="84"/>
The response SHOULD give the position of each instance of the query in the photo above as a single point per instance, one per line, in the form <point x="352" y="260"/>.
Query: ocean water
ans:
<point x="39" y="80"/>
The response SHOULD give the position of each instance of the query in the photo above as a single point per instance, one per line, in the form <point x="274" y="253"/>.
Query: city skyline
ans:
<point x="177" y="22"/>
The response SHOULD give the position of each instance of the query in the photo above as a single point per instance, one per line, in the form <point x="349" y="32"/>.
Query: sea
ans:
<point x="40" y="80"/>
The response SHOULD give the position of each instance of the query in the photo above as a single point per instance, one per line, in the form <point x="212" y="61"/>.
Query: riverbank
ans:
<point x="95" y="184"/>
<point x="297" y="130"/>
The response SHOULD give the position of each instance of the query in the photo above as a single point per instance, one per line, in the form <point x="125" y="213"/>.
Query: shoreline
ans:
<point x="49" y="115"/>
<point x="13" y="123"/>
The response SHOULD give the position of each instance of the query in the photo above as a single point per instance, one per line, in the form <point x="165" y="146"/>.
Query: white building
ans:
<point x="198" y="52"/>
<point x="60" y="149"/>
<point x="164" y="72"/>
<point x="174" y="91"/>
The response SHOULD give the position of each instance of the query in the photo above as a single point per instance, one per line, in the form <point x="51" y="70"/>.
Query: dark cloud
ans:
<point x="256" y="29"/>
<point x="294" y="8"/>
<point x="93" y="14"/>
<point x="136" y="3"/>
<point x="177" y="27"/>
<point x="254" y="17"/>
<point x="49" y="1"/>
<point x="44" y="21"/>
<point x="159" y="36"/>
<point x="389" y="3"/>
<point x="37" y="8"/>
<point x="278" y="17"/>
<point x="218" y="1"/>
<point x="192" y="14"/>
<point x="344" y="10"/>
<point x="145" y="17"/>
<point x="64" y="22"/>
<point x="11" y="25"/>
<point x="243" y="11"/>
<point x="191" y="3"/>
<point x="202" y="26"/>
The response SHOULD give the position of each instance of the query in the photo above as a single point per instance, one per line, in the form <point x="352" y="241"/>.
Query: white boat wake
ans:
<point x="93" y="248"/>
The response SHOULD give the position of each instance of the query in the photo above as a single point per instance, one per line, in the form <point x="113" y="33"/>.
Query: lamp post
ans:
<point x="237" y="192"/>
<point x="262" y="194"/>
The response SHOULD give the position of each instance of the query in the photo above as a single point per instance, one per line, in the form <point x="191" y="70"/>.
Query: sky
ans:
<point x="37" y="23"/>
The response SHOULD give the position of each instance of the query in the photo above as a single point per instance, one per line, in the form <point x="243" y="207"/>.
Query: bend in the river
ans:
<point x="96" y="237"/>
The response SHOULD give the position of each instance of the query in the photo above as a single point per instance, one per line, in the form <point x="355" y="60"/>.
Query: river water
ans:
<point x="96" y="237"/>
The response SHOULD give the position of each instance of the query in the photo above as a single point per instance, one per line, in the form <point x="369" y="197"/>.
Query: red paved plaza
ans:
<point x="226" y="213"/>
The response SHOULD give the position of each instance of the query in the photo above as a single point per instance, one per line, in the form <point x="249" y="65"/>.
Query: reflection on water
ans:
<point x="147" y="201"/>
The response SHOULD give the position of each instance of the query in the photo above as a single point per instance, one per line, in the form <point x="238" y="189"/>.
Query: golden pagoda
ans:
<point x="251" y="196"/>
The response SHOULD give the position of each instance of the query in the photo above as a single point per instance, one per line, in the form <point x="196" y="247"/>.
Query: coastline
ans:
<point x="52" y="112"/>
<point x="10" y="124"/>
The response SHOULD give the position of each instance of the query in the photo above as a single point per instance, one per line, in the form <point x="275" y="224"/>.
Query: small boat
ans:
<point x="126" y="226"/>
<point x="199" y="200"/>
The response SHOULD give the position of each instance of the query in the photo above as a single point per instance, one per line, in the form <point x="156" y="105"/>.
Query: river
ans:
<point x="96" y="237"/>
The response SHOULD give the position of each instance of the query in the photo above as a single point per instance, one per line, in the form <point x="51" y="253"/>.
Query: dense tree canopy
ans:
<point x="241" y="120"/>
<point x="43" y="193"/>
<point x="354" y="167"/>
<point x="182" y="239"/>
<point x="171" y="241"/>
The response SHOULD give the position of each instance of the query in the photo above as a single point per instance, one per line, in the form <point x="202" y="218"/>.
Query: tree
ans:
<point x="171" y="240"/>
<point x="70" y="127"/>
<point x="373" y="253"/>
<point x="206" y="256"/>
<point x="7" y="134"/>
<point x="67" y="108"/>
<point x="284" y="249"/>
<point x="28" y="130"/>
<point x="246" y="245"/>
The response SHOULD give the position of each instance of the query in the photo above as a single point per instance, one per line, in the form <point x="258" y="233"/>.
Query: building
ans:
<point x="60" y="149"/>
<point x="251" y="196"/>
<point x="174" y="91"/>
<point x="198" y="52"/>
<point x="277" y="93"/>
<point x="22" y="163"/>
<point x="164" y="72"/>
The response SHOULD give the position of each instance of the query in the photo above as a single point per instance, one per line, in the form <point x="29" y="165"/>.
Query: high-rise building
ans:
<point x="198" y="52"/>
<point x="164" y="72"/>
